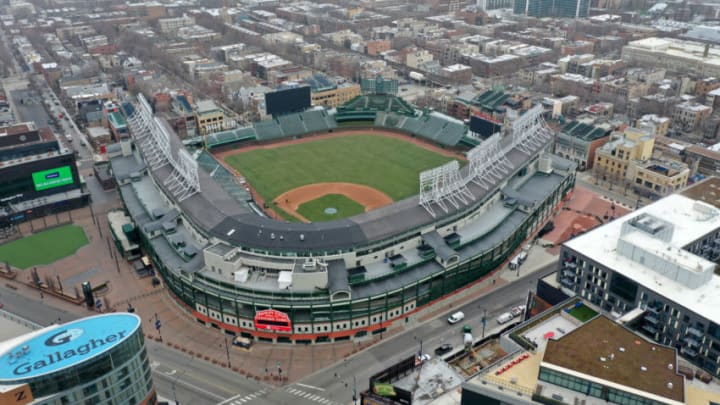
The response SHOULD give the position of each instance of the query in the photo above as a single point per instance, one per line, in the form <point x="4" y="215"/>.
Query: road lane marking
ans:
<point x="229" y="399"/>
<point x="311" y="387"/>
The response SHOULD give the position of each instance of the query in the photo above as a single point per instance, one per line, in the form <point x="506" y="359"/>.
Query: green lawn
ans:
<point x="583" y="313"/>
<point x="315" y="210"/>
<point x="388" y="164"/>
<point x="44" y="247"/>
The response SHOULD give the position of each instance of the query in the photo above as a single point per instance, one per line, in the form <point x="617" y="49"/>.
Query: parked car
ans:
<point x="242" y="342"/>
<point x="504" y="318"/>
<point x="425" y="357"/>
<point x="443" y="349"/>
<point x="518" y="310"/>
<point x="456" y="317"/>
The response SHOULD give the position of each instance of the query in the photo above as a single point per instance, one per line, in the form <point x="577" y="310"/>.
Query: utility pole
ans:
<point x="227" y="352"/>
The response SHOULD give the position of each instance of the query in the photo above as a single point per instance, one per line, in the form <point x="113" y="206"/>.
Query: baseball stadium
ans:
<point x="329" y="225"/>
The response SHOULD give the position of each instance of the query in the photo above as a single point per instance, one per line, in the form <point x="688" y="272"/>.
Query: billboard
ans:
<point x="485" y="127"/>
<point x="274" y="320"/>
<point x="46" y="179"/>
<point x="287" y="100"/>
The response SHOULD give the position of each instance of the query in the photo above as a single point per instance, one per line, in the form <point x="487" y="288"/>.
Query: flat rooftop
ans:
<point x="617" y="355"/>
<point x="707" y="191"/>
<point x="690" y="222"/>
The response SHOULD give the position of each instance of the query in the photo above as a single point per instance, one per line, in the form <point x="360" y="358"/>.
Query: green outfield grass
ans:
<point x="44" y="247"/>
<point x="387" y="164"/>
<point x="315" y="210"/>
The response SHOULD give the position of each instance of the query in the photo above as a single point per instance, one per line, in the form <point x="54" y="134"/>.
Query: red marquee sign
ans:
<point x="274" y="320"/>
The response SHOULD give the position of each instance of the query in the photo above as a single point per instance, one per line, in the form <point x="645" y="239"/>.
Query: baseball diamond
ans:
<point x="433" y="227"/>
<point x="386" y="163"/>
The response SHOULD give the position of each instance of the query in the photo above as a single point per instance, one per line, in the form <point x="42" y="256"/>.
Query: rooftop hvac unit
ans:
<point x="545" y="164"/>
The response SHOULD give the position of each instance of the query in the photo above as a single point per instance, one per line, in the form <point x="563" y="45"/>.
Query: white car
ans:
<point x="456" y="317"/>
<point x="505" y="317"/>
<point x="425" y="357"/>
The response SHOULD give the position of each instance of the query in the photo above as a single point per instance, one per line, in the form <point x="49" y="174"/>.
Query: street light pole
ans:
<point x="421" y="342"/>
<point x="354" y="390"/>
<point x="484" y="322"/>
<point x="227" y="352"/>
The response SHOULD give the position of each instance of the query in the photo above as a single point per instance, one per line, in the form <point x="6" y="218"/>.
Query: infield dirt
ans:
<point x="366" y="196"/>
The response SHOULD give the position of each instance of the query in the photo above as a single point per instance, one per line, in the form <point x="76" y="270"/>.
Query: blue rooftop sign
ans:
<point x="66" y="345"/>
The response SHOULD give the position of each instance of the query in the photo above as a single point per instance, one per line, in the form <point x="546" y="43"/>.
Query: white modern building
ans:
<point x="658" y="267"/>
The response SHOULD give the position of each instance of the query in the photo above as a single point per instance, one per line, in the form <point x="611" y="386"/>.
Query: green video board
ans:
<point x="60" y="176"/>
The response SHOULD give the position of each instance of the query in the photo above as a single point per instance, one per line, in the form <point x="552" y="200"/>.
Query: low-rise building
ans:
<point x="378" y="46"/>
<point x="460" y="74"/>
<point x="118" y="126"/>
<point x="689" y="115"/>
<point x="614" y="157"/>
<point x="335" y="96"/>
<point x="486" y="66"/>
<point x="703" y="160"/>
<point x="171" y="25"/>
<point x="417" y="57"/>
<point x="656" y="124"/>
<point x="209" y="117"/>
<point x="578" y="141"/>
<point x="658" y="177"/>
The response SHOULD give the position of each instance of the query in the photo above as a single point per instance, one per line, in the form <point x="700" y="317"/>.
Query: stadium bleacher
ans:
<point x="237" y="135"/>
<point x="292" y="124"/>
<point x="318" y="120"/>
<point x="226" y="180"/>
<point x="433" y="126"/>
<point x="383" y="111"/>
<point x="268" y="130"/>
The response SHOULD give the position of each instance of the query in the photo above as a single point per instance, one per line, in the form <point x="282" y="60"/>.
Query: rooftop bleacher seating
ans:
<point x="268" y="130"/>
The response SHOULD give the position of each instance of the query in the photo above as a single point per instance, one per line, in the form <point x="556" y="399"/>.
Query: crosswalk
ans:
<point x="310" y="396"/>
<point x="304" y="397"/>
<point x="240" y="400"/>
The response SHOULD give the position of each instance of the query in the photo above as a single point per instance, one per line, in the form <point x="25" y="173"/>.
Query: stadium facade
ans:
<point x="237" y="270"/>
<point x="96" y="360"/>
